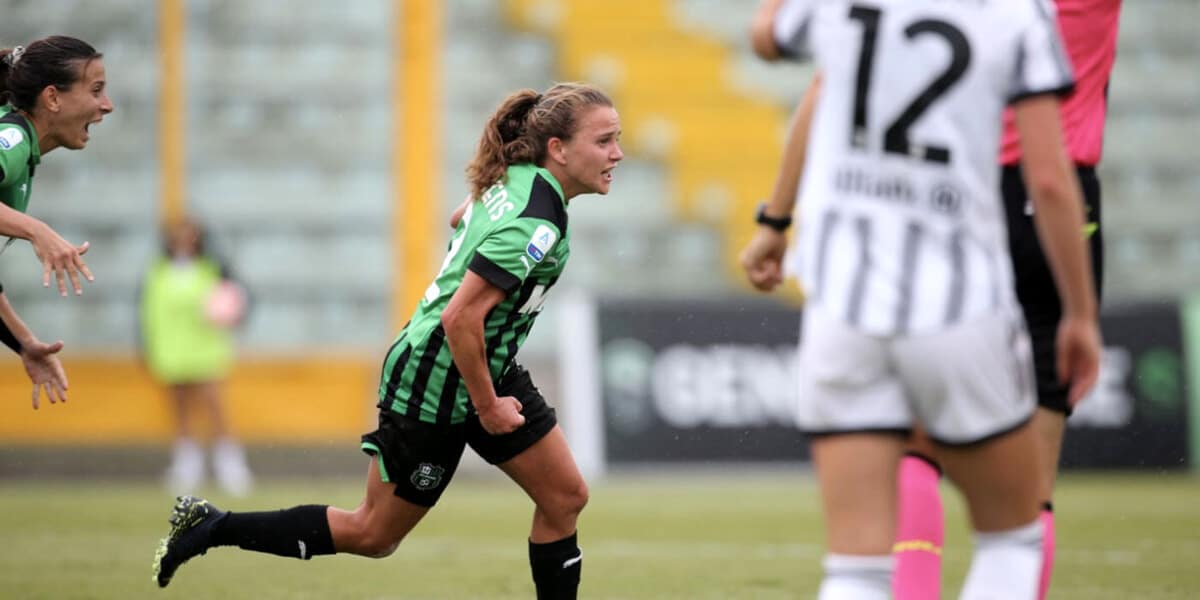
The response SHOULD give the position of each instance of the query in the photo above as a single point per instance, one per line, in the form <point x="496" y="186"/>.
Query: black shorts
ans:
<point x="1034" y="281"/>
<point x="421" y="458"/>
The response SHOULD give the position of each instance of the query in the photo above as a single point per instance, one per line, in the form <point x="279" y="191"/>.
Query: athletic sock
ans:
<point x="186" y="472"/>
<point x="556" y="568"/>
<point x="1006" y="564"/>
<point x="856" y="577"/>
<point x="1047" y="519"/>
<point x="920" y="531"/>
<point x="229" y="465"/>
<point x="299" y="532"/>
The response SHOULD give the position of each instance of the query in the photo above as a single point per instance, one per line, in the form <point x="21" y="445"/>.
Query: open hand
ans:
<point x="45" y="371"/>
<point x="60" y="257"/>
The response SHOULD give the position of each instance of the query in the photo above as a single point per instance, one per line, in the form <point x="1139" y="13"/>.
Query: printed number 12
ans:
<point x="895" y="137"/>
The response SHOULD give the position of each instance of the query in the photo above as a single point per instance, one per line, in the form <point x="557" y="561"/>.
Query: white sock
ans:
<point x="1006" y="564"/>
<point x="850" y="577"/>
<point x="186" y="472"/>
<point x="229" y="463"/>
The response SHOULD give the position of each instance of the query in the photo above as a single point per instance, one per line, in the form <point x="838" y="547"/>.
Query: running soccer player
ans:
<point x="451" y="378"/>
<point x="1089" y="31"/>
<point x="911" y="316"/>
<point x="51" y="92"/>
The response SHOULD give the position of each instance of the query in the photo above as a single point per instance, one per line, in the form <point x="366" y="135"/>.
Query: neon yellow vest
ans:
<point x="181" y="345"/>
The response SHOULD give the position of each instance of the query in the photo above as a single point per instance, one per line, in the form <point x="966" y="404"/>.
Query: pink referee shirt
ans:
<point x="1089" y="31"/>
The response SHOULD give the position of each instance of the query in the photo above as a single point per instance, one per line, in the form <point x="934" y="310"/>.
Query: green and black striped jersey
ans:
<point x="19" y="154"/>
<point x="515" y="237"/>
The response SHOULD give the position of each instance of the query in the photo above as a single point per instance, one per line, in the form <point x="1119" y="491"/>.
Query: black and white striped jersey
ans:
<point x="903" y="230"/>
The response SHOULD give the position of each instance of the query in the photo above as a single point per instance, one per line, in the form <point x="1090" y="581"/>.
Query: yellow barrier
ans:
<point x="284" y="400"/>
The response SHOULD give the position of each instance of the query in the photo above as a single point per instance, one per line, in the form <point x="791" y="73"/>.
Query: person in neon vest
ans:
<point x="189" y="306"/>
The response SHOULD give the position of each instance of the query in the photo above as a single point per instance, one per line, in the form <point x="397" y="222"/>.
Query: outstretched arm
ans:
<point x="40" y="359"/>
<point x="58" y="256"/>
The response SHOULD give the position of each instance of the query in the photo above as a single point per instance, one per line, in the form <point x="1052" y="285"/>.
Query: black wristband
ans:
<point x="8" y="338"/>
<point x="779" y="224"/>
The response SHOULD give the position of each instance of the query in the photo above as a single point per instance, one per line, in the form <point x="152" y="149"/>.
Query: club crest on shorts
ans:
<point x="427" y="476"/>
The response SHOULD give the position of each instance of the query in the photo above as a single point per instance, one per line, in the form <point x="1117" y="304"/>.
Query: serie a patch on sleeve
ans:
<point x="10" y="137"/>
<point x="543" y="238"/>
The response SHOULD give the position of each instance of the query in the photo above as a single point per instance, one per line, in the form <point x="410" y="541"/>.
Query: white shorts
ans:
<point x="963" y="385"/>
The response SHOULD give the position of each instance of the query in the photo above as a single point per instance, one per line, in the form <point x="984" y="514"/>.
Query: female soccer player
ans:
<point x="451" y="379"/>
<point x="910" y="315"/>
<point x="1089" y="30"/>
<point x="51" y="92"/>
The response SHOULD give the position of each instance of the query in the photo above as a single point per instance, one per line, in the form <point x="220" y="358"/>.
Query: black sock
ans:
<point x="299" y="532"/>
<point x="556" y="567"/>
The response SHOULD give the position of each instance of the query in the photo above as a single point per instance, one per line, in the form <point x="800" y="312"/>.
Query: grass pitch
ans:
<point x="645" y="536"/>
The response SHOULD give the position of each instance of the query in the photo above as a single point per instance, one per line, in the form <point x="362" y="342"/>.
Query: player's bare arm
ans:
<point x="39" y="358"/>
<point x="762" y="35"/>
<point x="463" y="321"/>
<point x="58" y="256"/>
<point x="457" y="215"/>
<point x="762" y="258"/>
<point x="1058" y="212"/>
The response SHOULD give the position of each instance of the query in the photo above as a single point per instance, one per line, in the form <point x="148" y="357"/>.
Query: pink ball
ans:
<point x="226" y="304"/>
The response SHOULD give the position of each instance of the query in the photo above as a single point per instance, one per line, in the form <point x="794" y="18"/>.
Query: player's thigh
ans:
<point x="857" y="475"/>
<point x="548" y="474"/>
<point x="536" y="455"/>
<point x="846" y="384"/>
<point x="998" y="478"/>
<point x="417" y="460"/>
<point x="379" y="523"/>
<point x="973" y="389"/>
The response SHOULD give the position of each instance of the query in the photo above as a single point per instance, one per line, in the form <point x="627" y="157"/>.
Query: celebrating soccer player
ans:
<point x="451" y="378"/>
<point x="51" y="92"/>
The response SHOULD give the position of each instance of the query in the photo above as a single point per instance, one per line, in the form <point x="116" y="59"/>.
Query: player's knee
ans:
<point x="364" y="536"/>
<point x="376" y="545"/>
<point x="573" y="499"/>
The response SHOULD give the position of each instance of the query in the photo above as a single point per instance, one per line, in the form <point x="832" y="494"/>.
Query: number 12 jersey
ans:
<point x="903" y="230"/>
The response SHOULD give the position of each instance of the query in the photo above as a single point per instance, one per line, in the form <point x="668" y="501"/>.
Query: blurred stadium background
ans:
<point x="323" y="143"/>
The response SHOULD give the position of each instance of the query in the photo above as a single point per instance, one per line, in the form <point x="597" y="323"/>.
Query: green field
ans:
<point x="674" y="536"/>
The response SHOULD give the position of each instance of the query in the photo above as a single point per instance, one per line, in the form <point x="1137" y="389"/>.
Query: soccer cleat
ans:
<point x="191" y="519"/>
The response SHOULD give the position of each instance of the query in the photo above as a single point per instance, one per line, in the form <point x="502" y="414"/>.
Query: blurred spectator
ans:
<point x="189" y="307"/>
